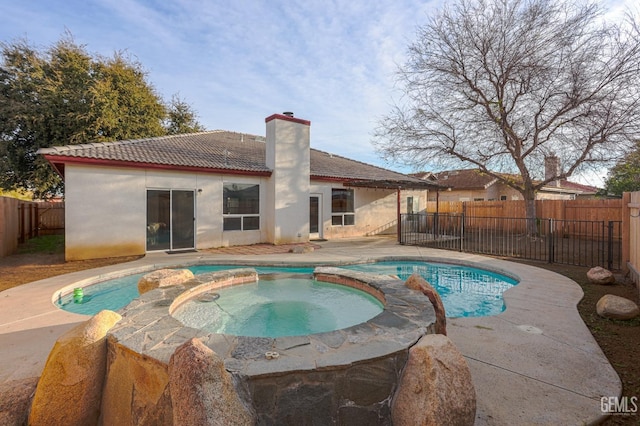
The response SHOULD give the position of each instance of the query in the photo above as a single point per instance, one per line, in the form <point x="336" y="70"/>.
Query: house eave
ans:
<point x="58" y="162"/>
<point x="392" y="184"/>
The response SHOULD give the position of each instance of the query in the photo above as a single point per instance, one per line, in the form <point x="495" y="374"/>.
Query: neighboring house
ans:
<point x="474" y="185"/>
<point x="221" y="188"/>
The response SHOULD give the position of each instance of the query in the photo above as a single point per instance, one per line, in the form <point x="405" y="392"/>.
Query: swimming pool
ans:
<point x="465" y="291"/>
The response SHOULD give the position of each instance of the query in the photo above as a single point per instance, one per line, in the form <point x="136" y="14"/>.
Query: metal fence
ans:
<point x="571" y="242"/>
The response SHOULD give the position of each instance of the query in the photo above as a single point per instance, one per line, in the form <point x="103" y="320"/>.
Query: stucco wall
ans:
<point x="106" y="209"/>
<point x="287" y="154"/>
<point x="376" y="210"/>
<point x="493" y="193"/>
<point x="105" y="212"/>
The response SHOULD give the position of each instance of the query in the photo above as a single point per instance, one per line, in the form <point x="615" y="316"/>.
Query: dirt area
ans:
<point x="619" y="340"/>
<point x="25" y="268"/>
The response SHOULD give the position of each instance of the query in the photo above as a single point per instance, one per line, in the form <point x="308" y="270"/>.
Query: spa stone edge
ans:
<point x="148" y="328"/>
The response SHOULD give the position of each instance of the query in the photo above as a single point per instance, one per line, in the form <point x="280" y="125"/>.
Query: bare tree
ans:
<point x="504" y="84"/>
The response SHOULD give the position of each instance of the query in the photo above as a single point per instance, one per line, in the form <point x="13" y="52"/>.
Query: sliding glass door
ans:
<point x="170" y="219"/>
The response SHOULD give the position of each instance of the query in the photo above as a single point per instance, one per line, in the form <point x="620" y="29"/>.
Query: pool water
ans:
<point x="465" y="291"/>
<point x="277" y="307"/>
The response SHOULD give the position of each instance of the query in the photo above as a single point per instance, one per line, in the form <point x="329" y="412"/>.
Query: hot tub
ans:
<point x="344" y="376"/>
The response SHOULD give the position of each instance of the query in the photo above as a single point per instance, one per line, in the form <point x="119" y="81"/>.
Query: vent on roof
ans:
<point x="288" y="113"/>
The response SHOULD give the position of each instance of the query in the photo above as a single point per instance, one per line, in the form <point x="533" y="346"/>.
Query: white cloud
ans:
<point x="236" y="62"/>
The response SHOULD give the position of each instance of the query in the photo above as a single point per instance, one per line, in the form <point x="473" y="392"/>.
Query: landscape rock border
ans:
<point x="616" y="307"/>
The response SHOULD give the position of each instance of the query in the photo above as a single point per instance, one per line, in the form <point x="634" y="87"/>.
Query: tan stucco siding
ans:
<point x="375" y="210"/>
<point x="104" y="212"/>
<point x="106" y="209"/>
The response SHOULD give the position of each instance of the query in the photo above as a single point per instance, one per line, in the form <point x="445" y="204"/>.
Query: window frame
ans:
<point x="345" y="216"/>
<point x="248" y="220"/>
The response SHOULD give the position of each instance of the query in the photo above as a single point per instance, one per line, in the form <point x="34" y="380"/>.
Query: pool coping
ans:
<point x="526" y="367"/>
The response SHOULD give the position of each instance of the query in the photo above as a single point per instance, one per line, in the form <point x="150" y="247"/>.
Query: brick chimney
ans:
<point x="552" y="168"/>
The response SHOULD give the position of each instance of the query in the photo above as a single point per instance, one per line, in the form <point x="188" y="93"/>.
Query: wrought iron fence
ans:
<point x="571" y="242"/>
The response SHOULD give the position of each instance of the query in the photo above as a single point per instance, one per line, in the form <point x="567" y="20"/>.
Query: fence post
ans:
<point x="552" y="246"/>
<point x="37" y="220"/>
<point x="625" y="232"/>
<point x="462" y="230"/>
<point x="31" y="221"/>
<point x="22" y="224"/>
<point x="610" y="246"/>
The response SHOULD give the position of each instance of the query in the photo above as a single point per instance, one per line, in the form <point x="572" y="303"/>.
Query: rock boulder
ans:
<point x="600" y="275"/>
<point x="163" y="278"/>
<point x="70" y="388"/>
<point x="435" y="387"/>
<point x="616" y="307"/>
<point x="15" y="400"/>
<point x="202" y="391"/>
<point x="416" y="282"/>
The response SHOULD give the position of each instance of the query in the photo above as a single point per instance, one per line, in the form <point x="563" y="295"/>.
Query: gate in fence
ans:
<point x="571" y="242"/>
<point x="39" y="218"/>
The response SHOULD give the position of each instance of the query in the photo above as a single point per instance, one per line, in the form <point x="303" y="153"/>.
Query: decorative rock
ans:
<point x="600" y="275"/>
<point x="163" y="278"/>
<point x="70" y="388"/>
<point x="416" y="282"/>
<point x="616" y="307"/>
<point x="136" y="388"/>
<point x="202" y="391"/>
<point x="435" y="387"/>
<point x="15" y="400"/>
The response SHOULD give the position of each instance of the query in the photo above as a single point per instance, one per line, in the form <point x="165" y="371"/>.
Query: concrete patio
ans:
<point x="536" y="363"/>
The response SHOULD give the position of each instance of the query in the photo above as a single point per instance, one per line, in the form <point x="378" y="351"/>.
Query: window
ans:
<point x="503" y="198"/>
<point x="342" y="207"/>
<point x="241" y="207"/>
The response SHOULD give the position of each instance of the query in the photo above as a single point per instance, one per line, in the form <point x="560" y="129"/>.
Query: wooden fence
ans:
<point x="587" y="209"/>
<point x="8" y="225"/>
<point x="22" y="220"/>
<point x="632" y="204"/>
<point x="50" y="218"/>
<point x="573" y="214"/>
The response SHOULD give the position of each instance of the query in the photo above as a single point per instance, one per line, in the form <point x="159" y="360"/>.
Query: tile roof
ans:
<point x="216" y="150"/>
<point x="209" y="150"/>
<point x="467" y="179"/>
<point x="574" y="187"/>
<point x="459" y="179"/>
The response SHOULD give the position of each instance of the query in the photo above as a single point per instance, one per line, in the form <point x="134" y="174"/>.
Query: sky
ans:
<point x="237" y="62"/>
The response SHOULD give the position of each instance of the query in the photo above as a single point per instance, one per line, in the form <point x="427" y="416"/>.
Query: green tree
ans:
<point x="503" y="84"/>
<point x="625" y="175"/>
<point x="181" y="118"/>
<point x="124" y="104"/>
<point x="62" y="95"/>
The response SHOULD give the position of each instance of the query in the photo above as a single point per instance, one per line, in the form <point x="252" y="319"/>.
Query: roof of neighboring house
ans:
<point x="568" y="186"/>
<point x="459" y="179"/>
<point x="472" y="179"/>
<point x="216" y="151"/>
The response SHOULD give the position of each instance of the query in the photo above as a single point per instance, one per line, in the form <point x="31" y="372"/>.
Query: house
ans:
<point x="474" y="185"/>
<point x="221" y="188"/>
